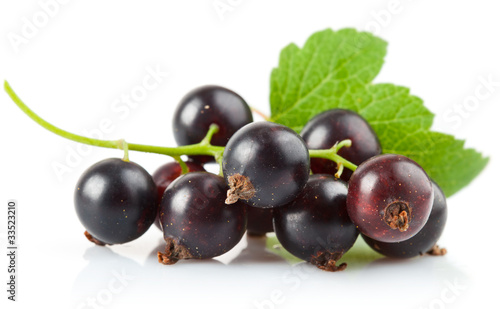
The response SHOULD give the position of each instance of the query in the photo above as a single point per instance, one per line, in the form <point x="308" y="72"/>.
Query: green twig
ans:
<point x="122" y="144"/>
<point x="331" y="154"/>
<point x="203" y="148"/>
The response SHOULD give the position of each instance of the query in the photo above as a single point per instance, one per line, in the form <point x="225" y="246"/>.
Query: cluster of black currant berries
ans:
<point x="268" y="183"/>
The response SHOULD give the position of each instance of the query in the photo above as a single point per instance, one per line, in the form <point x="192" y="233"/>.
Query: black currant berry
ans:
<point x="167" y="173"/>
<point x="260" y="221"/>
<point x="116" y="201"/>
<point x="208" y="105"/>
<point x="266" y="164"/>
<point x="196" y="222"/>
<point x="336" y="125"/>
<point x="425" y="240"/>
<point x="390" y="198"/>
<point x="315" y="226"/>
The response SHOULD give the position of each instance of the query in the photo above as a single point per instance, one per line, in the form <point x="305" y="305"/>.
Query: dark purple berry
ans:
<point x="315" y="226"/>
<point x="260" y="221"/>
<point x="116" y="201"/>
<point x="425" y="240"/>
<point x="208" y="105"/>
<point x="266" y="164"/>
<point x="196" y="222"/>
<point x="390" y="198"/>
<point x="336" y="125"/>
<point x="167" y="173"/>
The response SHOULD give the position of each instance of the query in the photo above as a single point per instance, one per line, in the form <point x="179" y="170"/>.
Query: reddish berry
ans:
<point x="390" y="198"/>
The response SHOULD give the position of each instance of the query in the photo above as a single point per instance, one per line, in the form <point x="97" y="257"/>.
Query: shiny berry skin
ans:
<point x="260" y="221"/>
<point x="335" y="125"/>
<point x="266" y="164"/>
<point x="196" y="222"/>
<point x="390" y="198"/>
<point x="425" y="240"/>
<point x="204" y="106"/>
<point x="315" y="226"/>
<point x="167" y="173"/>
<point x="115" y="201"/>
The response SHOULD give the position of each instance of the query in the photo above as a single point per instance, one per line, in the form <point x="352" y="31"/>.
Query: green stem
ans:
<point x="211" y="131"/>
<point x="122" y="144"/>
<point x="340" y="170"/>
<point x="202" y="148"/>
<point x="260" y="113"/>
<point x="183" y="165"/>
<point x="331" y="154"/>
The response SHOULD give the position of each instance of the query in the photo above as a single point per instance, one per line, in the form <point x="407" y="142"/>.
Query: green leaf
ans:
<point x="389" y="109"/>
<point x="335" y="70"/>
<point x="329" y="65"/>
<point x="442" y="156"/>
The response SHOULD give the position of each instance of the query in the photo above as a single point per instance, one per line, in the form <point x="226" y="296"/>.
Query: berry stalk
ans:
<point x="202" y="148"/>
<point x="331" y="154"/>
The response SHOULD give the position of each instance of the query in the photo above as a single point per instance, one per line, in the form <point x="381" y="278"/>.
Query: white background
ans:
<point x="76" y="65"/>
